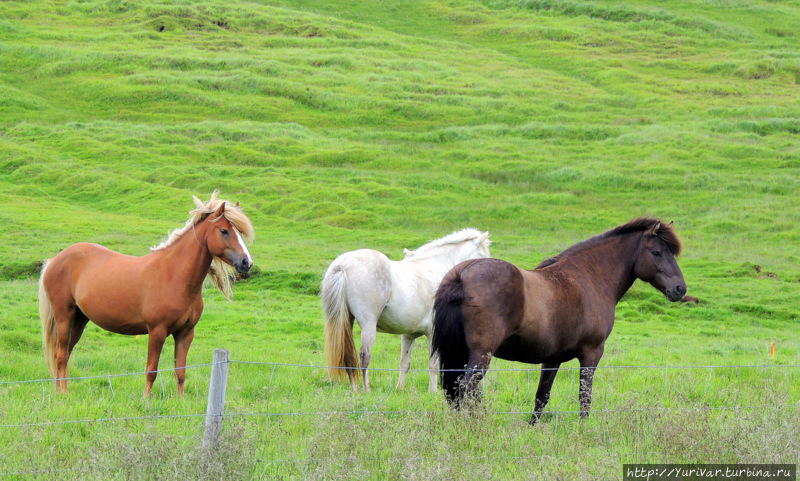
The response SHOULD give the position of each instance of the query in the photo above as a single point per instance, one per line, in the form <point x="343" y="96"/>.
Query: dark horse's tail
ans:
<point x="448" y="334"/>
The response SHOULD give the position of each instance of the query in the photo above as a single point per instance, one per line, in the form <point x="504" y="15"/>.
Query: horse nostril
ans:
<point x="680" y="289"/>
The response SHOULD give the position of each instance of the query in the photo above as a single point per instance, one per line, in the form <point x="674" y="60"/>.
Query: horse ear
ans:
<point x="653" y="231"/>
<point x="671" y="222"/>
<point x="482" y="238"/>
<point x="218" y="213"/>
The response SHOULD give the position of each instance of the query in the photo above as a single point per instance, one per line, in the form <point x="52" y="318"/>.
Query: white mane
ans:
<point x="457" y="237"/>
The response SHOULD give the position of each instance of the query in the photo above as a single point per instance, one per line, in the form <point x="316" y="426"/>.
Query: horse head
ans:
<point x="655" y="261"/>
<point x="224" y="241"/>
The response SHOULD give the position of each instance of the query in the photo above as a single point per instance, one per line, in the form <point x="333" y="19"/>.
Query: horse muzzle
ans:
<point x="243" y="266"/>
<point x="676" y="292"/>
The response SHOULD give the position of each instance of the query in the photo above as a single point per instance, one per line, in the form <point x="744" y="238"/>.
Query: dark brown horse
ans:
<point x="561" y="310"/>
<point x="159" y="294"/>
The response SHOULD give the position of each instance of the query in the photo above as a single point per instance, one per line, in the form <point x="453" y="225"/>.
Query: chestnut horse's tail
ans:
<point x="340" y="350"/>
<point x="48" y="324"/>
<point x="448" y="334"/>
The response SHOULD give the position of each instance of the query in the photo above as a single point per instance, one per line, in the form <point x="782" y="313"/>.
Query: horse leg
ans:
<point x="433" y="368"/>
<point x="65" y="318"/>
<point x="366" y="307"/>
<point x="589" y="359"/>
<point x="406" y="343"/>
<point x="78" y="325"/>
<point x="482" y="341"/>
<point x="74" y="333"/>
<point x="368" y="332"/>
<point x="476" y="368"/>
<point x="183" y="339"/>
<point x="549" y="371"/>
<point x="154" y="345"/>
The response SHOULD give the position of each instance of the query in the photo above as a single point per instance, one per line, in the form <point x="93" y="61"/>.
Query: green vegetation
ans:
<point x="341" y="125"/>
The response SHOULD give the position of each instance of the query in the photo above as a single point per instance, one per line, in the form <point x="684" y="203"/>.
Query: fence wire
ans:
<point x="374" y="412"/>
<point x="103" y="420"/>
<point x="503" y="413"/>
<point x="534" y="369"/>
<point x="105" y="376"/>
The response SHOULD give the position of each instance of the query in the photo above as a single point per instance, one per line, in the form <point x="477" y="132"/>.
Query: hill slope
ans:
<point x="345" y="121"/>
<point x="341" y="125"/>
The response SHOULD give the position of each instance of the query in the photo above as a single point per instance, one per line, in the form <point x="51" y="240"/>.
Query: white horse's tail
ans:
<point x="48" y="323"/>
<point x="340" y="350"/>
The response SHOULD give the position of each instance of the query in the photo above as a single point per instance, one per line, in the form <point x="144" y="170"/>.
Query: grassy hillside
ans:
<point x="341" y="125"/>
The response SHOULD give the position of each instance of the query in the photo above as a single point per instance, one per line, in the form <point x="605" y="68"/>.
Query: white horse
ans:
<point x="388" y="296"/>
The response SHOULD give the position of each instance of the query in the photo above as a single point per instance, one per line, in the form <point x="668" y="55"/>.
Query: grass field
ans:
<point x="342" y="125"/>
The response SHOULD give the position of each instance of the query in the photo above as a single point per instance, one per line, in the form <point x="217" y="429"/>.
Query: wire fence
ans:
<point x="387" y="369"/>
<point x="532" y="369"/>
<point x="104" y="376"/>
<point x="379" y="410"/>
<point x="385" y="412"/>
<point x="372" y="412"/>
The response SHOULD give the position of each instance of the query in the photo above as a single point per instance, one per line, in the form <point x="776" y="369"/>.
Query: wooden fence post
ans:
<point x="215" y="409"/>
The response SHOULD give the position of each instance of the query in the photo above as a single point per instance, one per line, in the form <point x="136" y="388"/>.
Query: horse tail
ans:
<point x="48" y="323"/>
<point x="448" y="339"/>
<point x="340" y="350"/>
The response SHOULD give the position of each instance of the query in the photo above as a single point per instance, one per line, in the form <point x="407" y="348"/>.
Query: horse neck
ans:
<point x="187" y="259"/>
<point x="610" y="262"/>
<point x="438" y="264"/>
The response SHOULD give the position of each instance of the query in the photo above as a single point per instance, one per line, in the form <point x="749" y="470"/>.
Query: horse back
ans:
<point x="74" y="262"/>
<point x="66" y="268"/>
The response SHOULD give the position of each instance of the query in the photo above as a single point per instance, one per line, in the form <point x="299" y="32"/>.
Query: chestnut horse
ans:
<point x="561" y="310"/>
<point x="159" y="294"/>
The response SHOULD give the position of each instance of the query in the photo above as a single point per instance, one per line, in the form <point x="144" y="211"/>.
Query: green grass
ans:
<point x="342" y="125"/>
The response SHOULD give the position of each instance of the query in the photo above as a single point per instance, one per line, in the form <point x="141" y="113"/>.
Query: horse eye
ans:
<point x="224" y="231"/>
<point x="656" y="253"/>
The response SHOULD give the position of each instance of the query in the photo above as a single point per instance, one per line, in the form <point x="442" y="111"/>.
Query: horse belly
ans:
<point x="518" y="349"/>
<point x="120" y="318"/>
<point x="408" y="310"/>
<point x="121" y="326"/>
<point x="110" y="302"/>
<point x="408" y="320"/>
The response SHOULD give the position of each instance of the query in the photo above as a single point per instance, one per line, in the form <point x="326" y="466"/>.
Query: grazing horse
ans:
<point x="388" y="296"/>
<point x="561" y="310"/>
<point x="159" y="294"/>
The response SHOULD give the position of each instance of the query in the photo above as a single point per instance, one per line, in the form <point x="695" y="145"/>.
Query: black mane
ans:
<point x="665" y="232"/>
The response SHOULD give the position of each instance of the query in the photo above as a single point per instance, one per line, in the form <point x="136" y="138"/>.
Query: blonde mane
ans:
<point x="456" y="237"/>
<point x="220" y="273"/>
